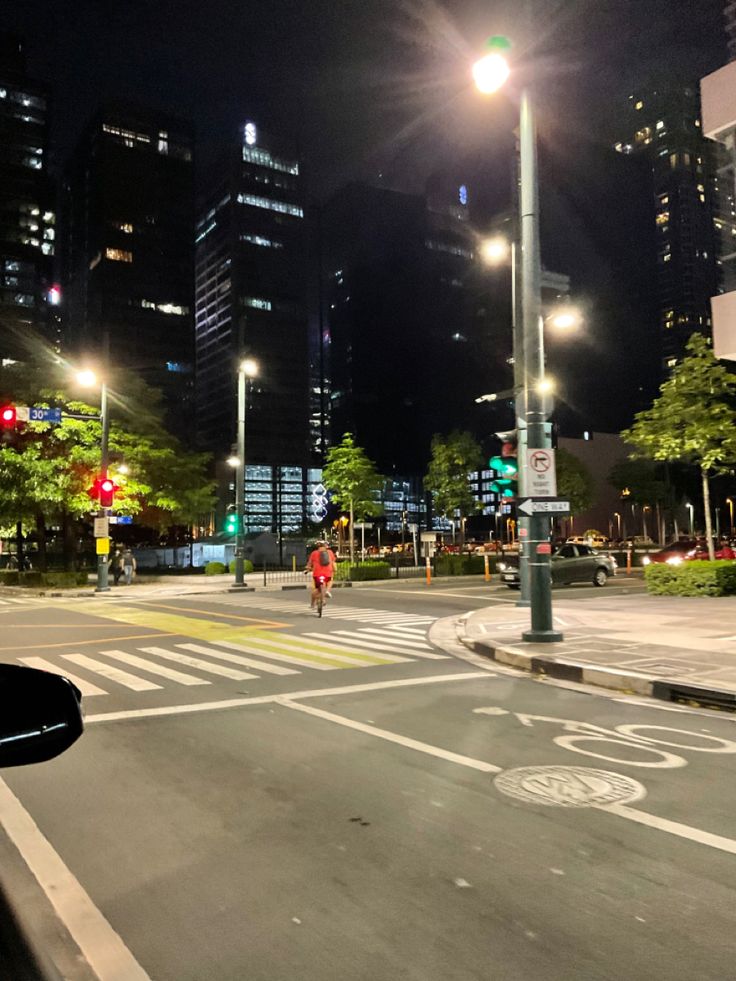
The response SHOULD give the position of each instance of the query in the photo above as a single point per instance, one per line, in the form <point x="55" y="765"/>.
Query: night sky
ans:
<point x="366" y="86"/>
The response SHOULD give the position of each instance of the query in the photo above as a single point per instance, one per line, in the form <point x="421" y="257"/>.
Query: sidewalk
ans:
<point x="675" y="648"/>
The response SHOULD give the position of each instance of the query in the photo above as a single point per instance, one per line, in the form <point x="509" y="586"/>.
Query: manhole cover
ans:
<point x="568" y="786"/>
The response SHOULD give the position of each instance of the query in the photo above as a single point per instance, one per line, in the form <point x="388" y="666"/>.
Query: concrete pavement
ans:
<point x="675" y="648"/>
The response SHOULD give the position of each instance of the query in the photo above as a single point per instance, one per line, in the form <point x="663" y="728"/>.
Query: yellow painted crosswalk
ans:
<point x="254" y="655"/>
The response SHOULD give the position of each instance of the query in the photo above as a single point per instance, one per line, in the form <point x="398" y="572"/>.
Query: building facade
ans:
<point x="664" y="125"/>
<point x="27" y="210"/>
<point x="250" y="300"/>
<point x="128" y="250"/>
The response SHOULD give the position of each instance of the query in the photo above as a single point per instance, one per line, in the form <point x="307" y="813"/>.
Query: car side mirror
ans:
<point x="40" y="715"/>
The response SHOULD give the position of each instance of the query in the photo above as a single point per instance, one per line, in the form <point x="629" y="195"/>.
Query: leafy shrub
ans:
<point x="363" y="572"/>
<point x="459" y="565"/>
<point x="698" y="578"/>
<point x="214" y="569"/>
<point x="247" y="566"/>
<point x="9" y="577"/>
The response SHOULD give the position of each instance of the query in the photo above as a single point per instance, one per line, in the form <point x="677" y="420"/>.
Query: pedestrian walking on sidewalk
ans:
<point x="129" y="566"/>
<point x="116" y="565"/>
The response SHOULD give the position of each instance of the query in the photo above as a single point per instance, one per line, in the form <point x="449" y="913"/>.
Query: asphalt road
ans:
<point x="414" y="817"/>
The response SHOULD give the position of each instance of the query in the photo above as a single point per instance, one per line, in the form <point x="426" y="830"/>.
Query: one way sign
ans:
<point x="544" y="505"/>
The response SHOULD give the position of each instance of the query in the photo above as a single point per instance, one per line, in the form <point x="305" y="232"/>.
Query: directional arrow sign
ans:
<point x="546" y="505"/>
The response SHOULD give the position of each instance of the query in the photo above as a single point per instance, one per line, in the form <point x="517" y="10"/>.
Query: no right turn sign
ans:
<point x="540" y="473"/>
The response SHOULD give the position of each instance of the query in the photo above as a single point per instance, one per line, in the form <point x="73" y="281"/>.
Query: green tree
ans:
<point x="574" y="481"/>
<point x="454" y="457"/>
<point x="693" y="420"/>
<point x="46" y="470"/>
<point x="353" y="482"/>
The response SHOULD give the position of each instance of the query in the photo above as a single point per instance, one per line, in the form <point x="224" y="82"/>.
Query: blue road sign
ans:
<point x="125" y="519"/>
<point x="40" y="414"/>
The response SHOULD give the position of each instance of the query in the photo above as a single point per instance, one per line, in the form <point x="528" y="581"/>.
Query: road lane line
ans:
<point x="671" y="827"/>
<point x="391" y="737"/>
<point x="381" y="635"/>
<point x="195" y="662"/>
<point x="139" y="662"/>
<point x="112" y="674"/>
<point x="310" y="650"/>
<point x="411" y="631"/>
<point x="102" y="947"/>
<point x="265" y="699"/>
<point x="249" y="662"/>
<point x="83" y="643"/>
<point x="86" y="687"/>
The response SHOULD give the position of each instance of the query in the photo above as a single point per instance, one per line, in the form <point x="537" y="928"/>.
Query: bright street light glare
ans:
<point x="233" y="461"/>
<point x="490" y="72"/>
<point x="564" y="320"/>
<point x="249" y="367"/>
<point x="124" y="469"/>
<point x="86" y="378"/>
<point x="494" y="250"/>
<point x="546" y="386"/>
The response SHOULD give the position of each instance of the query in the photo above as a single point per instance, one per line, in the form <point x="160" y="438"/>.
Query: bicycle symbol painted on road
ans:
<point x="589" y="740"/>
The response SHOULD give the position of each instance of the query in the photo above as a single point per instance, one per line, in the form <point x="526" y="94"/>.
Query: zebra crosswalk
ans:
<point x="21" y="601"/>
<point x="337" y="611"/>
<point x="254" y="655"/>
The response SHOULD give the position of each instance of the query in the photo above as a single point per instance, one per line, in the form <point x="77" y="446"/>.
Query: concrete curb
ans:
<point x="584" y="673"/>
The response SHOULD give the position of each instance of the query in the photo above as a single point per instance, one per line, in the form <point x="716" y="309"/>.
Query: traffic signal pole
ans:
<point x="520" y="395"/>
<point x="240" y="485"/>
<point x="538" y="544"/>
<point x="103" y="582"/>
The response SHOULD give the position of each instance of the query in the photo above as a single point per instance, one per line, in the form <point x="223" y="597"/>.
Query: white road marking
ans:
<point x="101" y="946"/>
<point x="392" y="737"/>
<point x="86" y="687"/>
<point x="276" y="656"/>
<point x="351" y="648"/>
<point x="269" y="644"/>
<point x="410" y="631"/>
<point x="264" y="699"/>
<point x="671" y="827"/>
<point x="367" y="641"/>
<point x="381" y="635"/>
<point x="249" y="662"/>
<point x="112" y="674"/>
<point x="196" y="662"/>
<point x="138" y="662"/>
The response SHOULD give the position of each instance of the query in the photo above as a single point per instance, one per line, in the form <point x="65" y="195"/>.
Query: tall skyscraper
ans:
<point x="729" y="12"/>
<point x="128" y="248"/>
<point x="664" y="124"/>
<point x="27" y="210"/>
<point x="251" y="301"/>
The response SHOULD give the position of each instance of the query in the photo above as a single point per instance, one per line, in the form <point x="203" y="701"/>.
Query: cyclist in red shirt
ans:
<point x="322" y="564"/>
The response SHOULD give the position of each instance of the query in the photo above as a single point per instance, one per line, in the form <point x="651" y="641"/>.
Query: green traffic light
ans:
<point x="507" y="466"/>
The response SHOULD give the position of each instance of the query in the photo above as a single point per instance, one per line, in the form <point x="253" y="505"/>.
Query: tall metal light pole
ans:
<point x="246" y="369"/>
<point x="88" y="379"/>
<point x="490" y="74"/>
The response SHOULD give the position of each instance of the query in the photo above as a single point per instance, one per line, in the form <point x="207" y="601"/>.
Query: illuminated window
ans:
<point x="257" y="303"/>
<point x="172" y="308"/>
<point x="664" y="199"/>
<point x="118" y="255"/>
<point x="639" y="105"/>
<point x="270" y="205"/>
<point x="264" y="159"/>
<point x="663" y="217"/>
<point x="125" y="227"/>
<point x="673" y="160"/>
<point x="667" y="257"/>
<point x="660" y="124"/>
<point x="671" y="362"/>
<point x="48" y="234"/>
<point x="163" y="142"/>
<point x="266" y="243"/>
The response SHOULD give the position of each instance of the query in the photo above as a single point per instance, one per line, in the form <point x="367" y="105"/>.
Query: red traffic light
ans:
<point x="103" y="491"/>
<point x="8" y="415"/>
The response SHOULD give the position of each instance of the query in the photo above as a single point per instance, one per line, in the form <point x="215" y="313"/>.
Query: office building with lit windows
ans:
<point x="27" y="218"/>
<point x="664" y="124"/>
<point x="250" y="300"/>
<point x="128" y="249"/>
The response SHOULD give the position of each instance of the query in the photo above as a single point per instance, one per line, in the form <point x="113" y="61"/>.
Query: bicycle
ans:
<point x="321" y="597"/>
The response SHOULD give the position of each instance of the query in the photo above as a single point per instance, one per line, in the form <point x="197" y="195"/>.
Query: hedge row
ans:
<point x="459" y="565"/>
<point x="363" y="572"/>
<point x="219" y="568"/>
<point x="35" y="579"/>
<point x="698" y="578"/>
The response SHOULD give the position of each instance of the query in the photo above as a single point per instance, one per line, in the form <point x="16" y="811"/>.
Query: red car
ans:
<point x="687" y="550"/>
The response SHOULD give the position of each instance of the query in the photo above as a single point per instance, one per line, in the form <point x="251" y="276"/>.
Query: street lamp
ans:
<point x="691" y="511"/>
<point x="729" y="501"/>
<point x="247" y="369"/>
<point x="565" y="319"/>
<point x="490" y="73"/>
<point x="88" y="379"/>
<point x="496" y="250"/>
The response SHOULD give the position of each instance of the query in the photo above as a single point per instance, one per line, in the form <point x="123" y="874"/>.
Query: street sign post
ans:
<point x="101" y="528"/>
<point x="38" y="413"/>
<point x="545" y="505"/>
